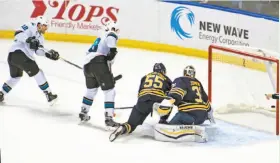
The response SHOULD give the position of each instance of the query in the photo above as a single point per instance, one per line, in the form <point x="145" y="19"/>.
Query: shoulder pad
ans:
<point x="113" y="35"/>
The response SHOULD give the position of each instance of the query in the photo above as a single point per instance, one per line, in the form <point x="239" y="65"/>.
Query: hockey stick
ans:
<point x="118" y="77"/>
<point x="70" y="63"/>
<point x="128" y="107"/>
<point x="73" y="64"/>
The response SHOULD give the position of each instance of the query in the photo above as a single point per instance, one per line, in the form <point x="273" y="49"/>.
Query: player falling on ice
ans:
<point x="97" y="71"/>
<point x="153" y="89"/>
<point x="29" y="40"/>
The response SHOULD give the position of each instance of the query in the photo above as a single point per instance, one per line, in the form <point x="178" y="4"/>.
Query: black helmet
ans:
<point x="189" y="71"/>
<point x="159" y="67"/>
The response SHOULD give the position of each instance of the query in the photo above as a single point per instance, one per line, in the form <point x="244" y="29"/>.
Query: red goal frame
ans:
<point x="210" y="55"/>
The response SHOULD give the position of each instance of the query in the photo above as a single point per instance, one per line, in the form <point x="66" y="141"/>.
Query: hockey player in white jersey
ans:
<point x="97" y="71"/>
<point x="28" y="41"/>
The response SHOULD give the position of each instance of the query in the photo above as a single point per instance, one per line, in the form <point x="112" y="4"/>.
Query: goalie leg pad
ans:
<point x="180" y="133"/>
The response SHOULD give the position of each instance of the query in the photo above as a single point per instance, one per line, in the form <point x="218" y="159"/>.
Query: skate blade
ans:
<point x="115" y="134"/>
<point x="53" y="102"/>
<point x="82" y="122"/>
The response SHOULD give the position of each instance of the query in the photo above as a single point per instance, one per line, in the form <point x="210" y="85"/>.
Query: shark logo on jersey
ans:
<point x="178" y="15"/>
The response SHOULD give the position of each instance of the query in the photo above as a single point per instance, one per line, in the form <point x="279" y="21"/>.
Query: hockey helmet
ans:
<point x="159" y="67"/>
<point x="42" y="20"/>
<point x="189" y="71"/>
<point x="112" y="25"/>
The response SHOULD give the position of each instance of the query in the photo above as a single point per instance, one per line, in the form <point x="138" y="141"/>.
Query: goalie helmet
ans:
<point x="159" y="67"/>
<point x="41" y="20"/>
<point x="189" y="71"/>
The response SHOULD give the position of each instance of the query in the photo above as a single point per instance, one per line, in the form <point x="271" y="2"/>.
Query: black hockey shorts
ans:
<point x="19" y="62"/>
<point x="139" y="113"/>
<point x="97" y="74"/>
<point x="189" y="118"/>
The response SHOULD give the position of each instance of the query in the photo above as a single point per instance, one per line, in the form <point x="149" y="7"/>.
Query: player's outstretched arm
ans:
<point x="273" y="96"/>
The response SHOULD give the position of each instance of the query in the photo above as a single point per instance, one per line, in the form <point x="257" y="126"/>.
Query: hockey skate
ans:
<point x="1" y="96"/>
<point x="109" y="122"/>
<point x="84" y="117"/>
<point x="119" y="131"/>
<point x="51" y="97"/>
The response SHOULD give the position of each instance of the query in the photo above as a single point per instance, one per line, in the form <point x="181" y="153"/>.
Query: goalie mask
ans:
<point x="189" y="71"/>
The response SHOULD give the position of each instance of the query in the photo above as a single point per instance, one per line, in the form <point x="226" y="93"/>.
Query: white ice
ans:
<point x="33" y="132"/>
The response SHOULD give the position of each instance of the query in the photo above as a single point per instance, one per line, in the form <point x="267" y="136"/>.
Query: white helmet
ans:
<point x="111" y="24"/>
<point x="189" y="71"/>
<point x="42" y="20"/>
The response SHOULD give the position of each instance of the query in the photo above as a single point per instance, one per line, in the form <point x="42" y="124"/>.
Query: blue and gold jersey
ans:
<point x="189" y="94"/>
<point x="154" y="86"/>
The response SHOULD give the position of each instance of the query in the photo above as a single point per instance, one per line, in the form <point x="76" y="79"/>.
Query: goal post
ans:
<point x="248" y="65"/>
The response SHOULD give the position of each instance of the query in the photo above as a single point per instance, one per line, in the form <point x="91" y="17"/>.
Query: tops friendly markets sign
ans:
<point x="83" y="17"/>
<point x="197" y="27"/>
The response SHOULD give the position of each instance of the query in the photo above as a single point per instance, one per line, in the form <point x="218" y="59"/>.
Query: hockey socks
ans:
<point x="9" y="84"/>
<point x="42" y="81"/>
<point x="88" y="99"/>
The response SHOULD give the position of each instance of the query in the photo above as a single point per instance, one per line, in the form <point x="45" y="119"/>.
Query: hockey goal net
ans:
<point x="238" y="79"/>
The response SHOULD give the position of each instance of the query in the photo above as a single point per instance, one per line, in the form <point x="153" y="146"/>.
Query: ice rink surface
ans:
<point x="33" y="132"/>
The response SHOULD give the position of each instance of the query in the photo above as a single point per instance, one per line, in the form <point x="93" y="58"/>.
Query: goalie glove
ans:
<point x="52" y="54"/>
<point x="165" y="107"/>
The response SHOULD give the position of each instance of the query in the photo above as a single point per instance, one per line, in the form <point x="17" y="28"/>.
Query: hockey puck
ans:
<point x="272" y="106"/>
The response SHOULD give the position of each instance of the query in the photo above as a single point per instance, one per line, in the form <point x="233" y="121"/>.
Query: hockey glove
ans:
<point x="111" y="55"/>
<point x="52" y="54"/>
<point x="33" y="43"/>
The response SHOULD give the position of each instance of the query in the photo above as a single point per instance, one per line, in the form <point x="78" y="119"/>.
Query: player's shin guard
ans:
<point x="88" y="99"/>
<point x="109" y="103"/>
<point x="44" y="86"/>
<point x="109" y="106"/>
<point x="9" y="84"/>
<point x="87" y="102"/>
<point x="42" y="81"/>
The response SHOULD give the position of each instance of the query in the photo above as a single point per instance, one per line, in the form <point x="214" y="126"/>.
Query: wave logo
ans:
<point x="178" y="15"/>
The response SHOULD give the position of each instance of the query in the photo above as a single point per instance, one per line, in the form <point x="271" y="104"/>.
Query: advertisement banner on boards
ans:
<point x="86" y="17"/>
<point x="198" y="27"/>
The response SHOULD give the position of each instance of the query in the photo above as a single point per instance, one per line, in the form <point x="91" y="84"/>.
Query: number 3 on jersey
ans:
<point x="153" y="81"/>
<point x="197" y="91"/>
